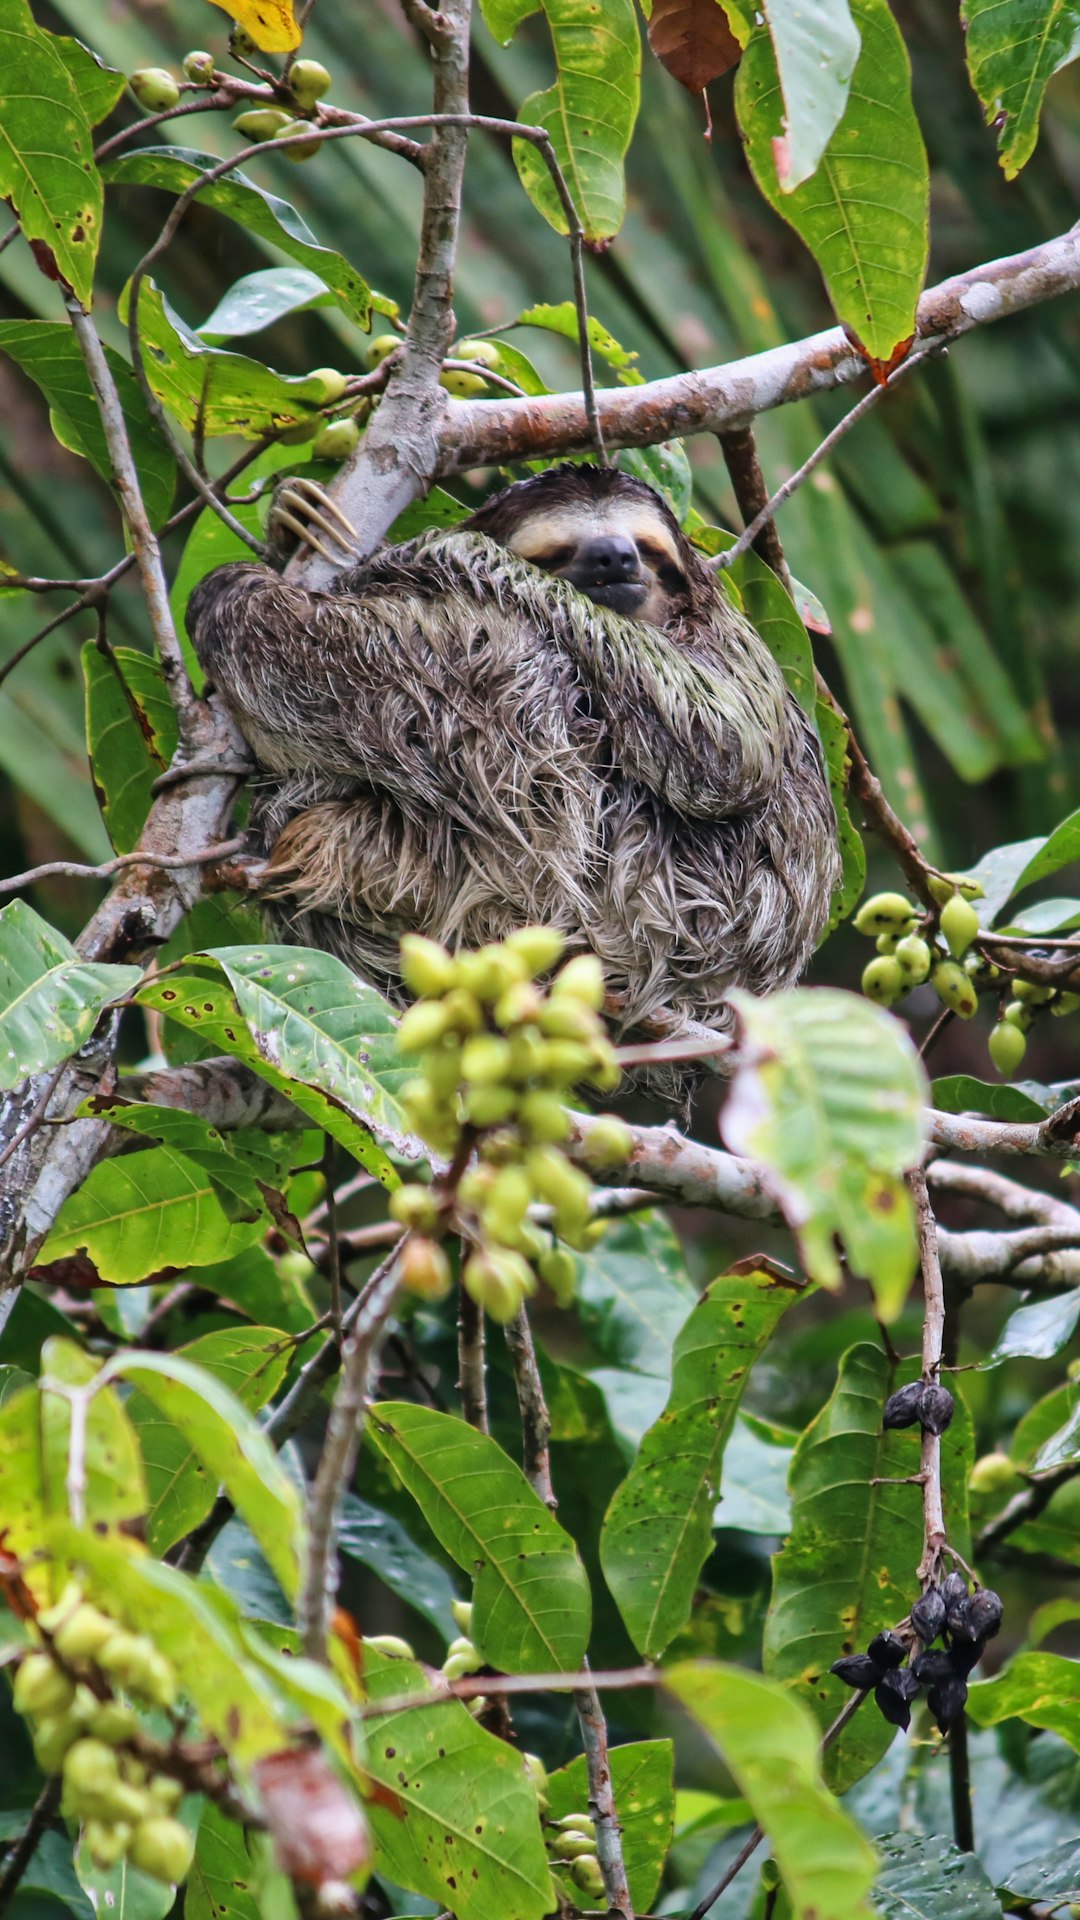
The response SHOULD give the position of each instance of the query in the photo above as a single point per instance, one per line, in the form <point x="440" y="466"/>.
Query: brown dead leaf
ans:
<point x="692" y="39"/>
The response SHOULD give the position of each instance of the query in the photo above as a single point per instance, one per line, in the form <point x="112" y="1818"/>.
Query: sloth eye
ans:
<point x="554" y="559"/>
<point x="671" y="578"/>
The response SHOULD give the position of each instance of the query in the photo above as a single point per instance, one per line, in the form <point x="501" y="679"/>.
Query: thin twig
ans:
<point x="472" y="1377"/>
<point x="533" y="1408"/>
<point x="739" y="449"/>
<point x="933" y="1336"/>
<point x="41" y="1815"/>
<point x="75" y="870"/>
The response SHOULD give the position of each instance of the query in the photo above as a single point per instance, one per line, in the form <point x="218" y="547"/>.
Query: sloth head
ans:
<point x="609" y="535"/>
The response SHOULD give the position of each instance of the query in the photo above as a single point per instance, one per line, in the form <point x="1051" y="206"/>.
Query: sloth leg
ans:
<point x="300" y="506"/>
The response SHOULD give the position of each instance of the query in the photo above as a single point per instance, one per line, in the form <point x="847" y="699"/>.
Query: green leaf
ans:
<point x="929" y="1876"/>
<point x="452" y="1810"/>
<point x="50" y="1000"/>
<point x="864" y="215"/>
<point x="1013" y="49"/>
<point x="531" y="1603"/>
<point x="847" y="1568"/>
<point x="49" y="354"/>
<point x="562" y="318"/>
<point x="1038" y="1331"/>
<point x="634" y="1293"/>
<point x="261" y="213"/>
<point x="1048" y="1880"/>
<point x="658" y="1529"/>
<point x="224" y="1880"/>
<point x="378" y="1541"/>
<point x="208" y="387"/>
<point x="240" y="1165"/>
<point x="195" y="1627"/>
<point x="196" y="1437"/>
<point x="50" y="1874"/>
<point x="753" y="1489"/>
<point x="815" y="58"/>
<point x="770" y="608"/>
<point x="144" y="1214"/>
<point x="1045" y="916"/>
<point x="962" y="1093"/>
<point x="641" y="1782"/>
<point x="770" y="1744"/>
<point x="1041" y="1688"/>
<point x="313" y="1030"/>
<point x="122" y="1891"/>
<point x="47" y="166"/>
<point x="131" y="735"/>
<point x="98" y="86"/>
<point x="258" y="299"/>
<point x="590" y="111"/>
<point x="829" y="1099"/>
<point x="35" y="1445"/>
<point x="1058" y="850"/>
<point x="266" y="1291"/>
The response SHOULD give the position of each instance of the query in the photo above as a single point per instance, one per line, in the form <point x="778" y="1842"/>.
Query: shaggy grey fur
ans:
<point x="454" y="742"/>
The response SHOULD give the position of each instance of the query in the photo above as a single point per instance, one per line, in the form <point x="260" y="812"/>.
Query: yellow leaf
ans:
<point x="270" y="23"/>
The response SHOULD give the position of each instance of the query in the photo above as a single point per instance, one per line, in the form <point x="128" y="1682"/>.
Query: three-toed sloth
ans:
<point x="551" y="713"/>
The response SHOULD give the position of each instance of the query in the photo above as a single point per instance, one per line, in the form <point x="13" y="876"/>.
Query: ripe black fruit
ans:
<point x="902" y="1408"/>
<point x="933" y="1666"/>
<point x="886" y="1650"/>
<point x="857" y="1670"/>
<point x="928" y="1615"/>
<point x="947" y="1699"/>
<point x="984" y="1614"/>
<point x="894" y="1693"/>
<point x="936" y="1409"/>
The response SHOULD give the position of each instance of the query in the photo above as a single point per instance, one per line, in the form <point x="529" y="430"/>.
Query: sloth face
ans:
<point x="618" y="552"/>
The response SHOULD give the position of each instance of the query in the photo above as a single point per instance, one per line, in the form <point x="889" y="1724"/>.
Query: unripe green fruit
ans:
<point x="162" y="1848"/>
<point x="942" y="886"/>
<point x="261" y="123"/>
<point x="954" y="989"/>
<point x="537" y="1775"/>
<point x="425" y="1269"/>
<point x="463" y="1644"/>
<point x="467" y="386"/>
<point x="241" y="42"/>
<point x="165" y="1794"/>
<point x="302" y="149"/>
<point x="489" y="1106"/>
<point x="959" y="925"/>
<point x="567" y="1019"/>
<point x="1064" y="1002"/>
<point x="994" y="1473"/>
<point x="543" y="1118"/>
<point x="485" y="1059"/>
<point x="885" y="913"/>
<point x="41" y="1690"/>
<point x="498" y="1280"/>
<point x="608" y="1143"/>
<point x="1017" y="1013"/>
<point x="1007" y="1046"/>
<point x="526" y="1054"/>
<point x="82" y="1635"/>
<point x="53" y="1737"/>
<point x="914" y="956"/>
<point x="573" y="1846"/>
<point x="520" y="1005"/>
<point x="568" y="1191"/>
<point x="414" y="1206"/>
<point x="585" y="1872"/>
<point x="199" y="66"/>
<point x="441" y="1067"/>
<point x="558" y="1270"/>
<point x="390" y="1644"/>
<point x="337" y="441"/>
<point x="457" y="1666"/>
<point x="92" y="1777"/>
<point x="124" y="1802"/>
<point x="426" y="967"/>
<point x="484" y="352"/>
<point x="106" y="1841"/>
<point x="887" y="942"/>
<point x="422" y="1025"/>
<point x="1032" y="992"/>
<point x="309" y="80"/>
<point x="154" y="88"/>
<point x="982" y="971"/>
<point x="507" y="1203"/>
<point x="884" y="980"/>
<point x="463" y="1011"/>
<point x="462" y="1613"/>
<point x="132" y="1660"/>
<point x="380" y="349"/>
<point x="538" y="947"/>
<point x="112" y="1723"/>
<point x="567" y="1061"/>
<point x="576" y="1823"/>
<point x="332" y="383"/>
<point x="581" y="979"/>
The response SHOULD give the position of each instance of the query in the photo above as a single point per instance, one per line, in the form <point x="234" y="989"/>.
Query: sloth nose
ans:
<point x="611" y="558"/>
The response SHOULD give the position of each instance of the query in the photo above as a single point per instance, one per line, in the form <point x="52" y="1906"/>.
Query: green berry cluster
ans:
<point x="499" y="1054"/>
<point x="571" y="1846"/>
<point x="69" y="1691"/>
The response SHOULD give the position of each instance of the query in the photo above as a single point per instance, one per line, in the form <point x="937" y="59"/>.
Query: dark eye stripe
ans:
<point x="555" y="558"/>
<point x="652" y="551"/>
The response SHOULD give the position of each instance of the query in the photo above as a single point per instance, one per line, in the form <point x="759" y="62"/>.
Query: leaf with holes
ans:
<point x="845" y="1571"/>
<point x="829" y="1098"/>
<point x="864" y="213"/>
<point x="47" y="166"/>
<point x="150" y="1213"/>
<point x="130" y="736"/>
<point x="1014" y="47"/>
<point x="658" y="1531"/>
<point x="50" y="1000"/>
<point x="531" y="1603"/>
<point x="175" y="168"/>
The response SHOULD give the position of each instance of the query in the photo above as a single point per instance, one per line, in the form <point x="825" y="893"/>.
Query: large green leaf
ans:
<point x="452" y="1810"/>
<point x="829" y="1098"/>
<point x="312" y="1029"/>
<point x="49" y="353"/>
<point x="256" y="300"/>
<point x="47" y="166"/>
<point x="196" y="1436"/>
<point x="531" y="1603"/>
<point x="644" y="1793"/>
<point x="240" y="1165"/>
<point x="147" y="1213"/>
<point x="847" y="1569"/>
<point x="1049" y="1878"/>
<point x="658" y="1530"/>
<point x="1041" y="1688"/>
<point x="1039" y="1330"/>
<point x="261" y="213"/>
<point x="379" y="1541"/>
<point x="815" y="55"/>
<point x="50" y="1000"/>
<point x="590" y="111"/>
<point x="35" y="1452"/>
<point x="1013" y="49"/>
<point x="864" y="214"/>
<point x="224" y="1881"/>
<point x="130" y="735"/>
<point x="634" y="1293"/>
<point x="931" y="1877"/>
<point x="770" y="1744"/>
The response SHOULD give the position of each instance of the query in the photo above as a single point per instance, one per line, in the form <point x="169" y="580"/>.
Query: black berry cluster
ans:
<point x="963" y="1620"/>
<point x="922" y="1404"/>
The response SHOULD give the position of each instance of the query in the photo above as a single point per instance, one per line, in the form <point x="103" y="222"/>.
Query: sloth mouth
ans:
<point x="622" y="596"/>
